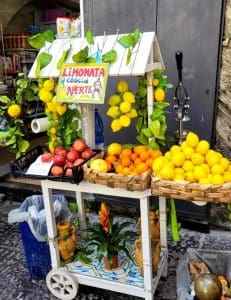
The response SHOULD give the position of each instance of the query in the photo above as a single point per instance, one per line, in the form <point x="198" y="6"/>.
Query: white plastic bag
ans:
<point x="32" y="211"/>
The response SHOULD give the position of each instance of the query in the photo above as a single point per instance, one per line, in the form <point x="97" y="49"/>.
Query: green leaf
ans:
<point x="155" y="127"/>
<point x="22" y="83"/>
<point x="90" y="36"/>
<point x="63" y="58"/>
<point x="37" y="41"/>
<point x="4" y="135"/>
<point x="129" y="55"/>
<point x="45" y="58"/>
<point x="142" y="139"/>
<point x="109" y="57"/>
<point x="127" y="41"/>
<point x="81" y="56"/>
<point x="147" y="132"/>
<point x="136" y="34"/>
<point x="48" y="35"/>
<point x="161" y="105"/>
<point x="154" y="145"/>
<point x="139" y="124"/>
<point x="156" y="114"/>
<point x="91" y="60"/>
<point x="5" y="99"/>
<point x="141" y="91"/>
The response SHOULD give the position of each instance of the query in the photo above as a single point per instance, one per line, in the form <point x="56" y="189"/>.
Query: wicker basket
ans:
<point x="113" y="180"/>
<point x="188" y="191"/>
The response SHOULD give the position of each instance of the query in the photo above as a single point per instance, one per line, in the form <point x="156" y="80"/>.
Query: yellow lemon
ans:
<point x="158" y="164"/>
<point x="229" y="168"/>
<point x="168" y="155"/>
<point x="174" y="149"/>
<point x="206" y="168"/>
<point x="197" y="159"/>
<point x="159" y="94"/>
<point x="48" y="85"/>
<point x="188" y="166"/>
<point x="227" y="177"/>
<point x="129" y="97"/>
<point x="179" y="170"/>
<point x="116" y="125"/>
<point x="114" y="149"/>
<point x="122" y="86"/>
<point x="217" y="169"/>
<point x="51" y="147"/>
<point x="217" y="179"/>
<point x="132" y="113"/>
<point x="179" y="177"/>
<point x="183" y="144"/>
<point x="225" y="163"/>
<point x="188" y="152"/>
<point x="61" y="109"/>
<point x="114" y="100"/>
<point x="178" y="159"/>
<point x="213" y="159"/>
<point x="192" y="139"/>
<point x="167" y="173"/>
<point x="203" y="147"/>
<point x="210" y="177"/>
<point x="189" y="176"/>
<point x="125" y="121"/>
<point x="204" y="181"/>
<point x="53" y="130"/>
<point x="125" y="107"/>
<point x="199" y="172"/>
<point x="14" y="110"/>
<point x="113" y="111"/>
<point x="45" y="96"/>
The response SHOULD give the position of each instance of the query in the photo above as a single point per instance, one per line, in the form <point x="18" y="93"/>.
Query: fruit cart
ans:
<point x="63" y="281"/>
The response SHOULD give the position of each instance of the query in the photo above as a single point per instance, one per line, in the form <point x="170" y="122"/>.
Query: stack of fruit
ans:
<point x="193" y="161"/>
<point x="121" y="107"/>
<point x="64" y="160"/>
<point x="126" y="161"/>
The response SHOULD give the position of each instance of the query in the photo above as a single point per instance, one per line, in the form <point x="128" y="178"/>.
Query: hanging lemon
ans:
<point x="159" y="94"/>
<point x="48" y="85"/>
<point x="14" y="110"/>
<point x="122" y="86"/>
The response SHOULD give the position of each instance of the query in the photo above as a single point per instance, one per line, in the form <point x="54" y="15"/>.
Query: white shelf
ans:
<point x="145" y="290"/>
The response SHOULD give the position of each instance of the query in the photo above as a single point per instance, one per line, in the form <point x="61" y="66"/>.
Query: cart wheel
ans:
<point x="62" y="285"/>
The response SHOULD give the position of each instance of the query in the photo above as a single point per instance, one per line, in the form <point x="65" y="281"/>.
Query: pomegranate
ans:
<point x="59" y="160"/>
<point x="72" y="155"/>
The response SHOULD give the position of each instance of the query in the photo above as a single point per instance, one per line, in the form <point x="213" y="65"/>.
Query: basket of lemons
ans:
<point x="192" y="171"/>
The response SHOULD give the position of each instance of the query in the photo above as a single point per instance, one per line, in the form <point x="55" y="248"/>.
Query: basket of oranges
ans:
<point x="193" y="172"/>
<point x="122" y="167"/>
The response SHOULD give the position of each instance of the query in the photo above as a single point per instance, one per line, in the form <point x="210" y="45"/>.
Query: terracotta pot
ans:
<point x="66" y="240"/>
<point x="114" y="262"/>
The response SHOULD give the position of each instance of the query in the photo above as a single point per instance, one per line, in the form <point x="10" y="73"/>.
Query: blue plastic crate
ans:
<point x="37" y="253"/>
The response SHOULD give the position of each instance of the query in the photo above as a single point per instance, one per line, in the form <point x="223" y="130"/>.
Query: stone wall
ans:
<point x="223" y="119"/>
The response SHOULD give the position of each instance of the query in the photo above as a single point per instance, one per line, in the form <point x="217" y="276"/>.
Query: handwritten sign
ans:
<point x="82" y="83"/>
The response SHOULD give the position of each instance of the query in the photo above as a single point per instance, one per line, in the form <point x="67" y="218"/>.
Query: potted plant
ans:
<point x="109" y="238"/>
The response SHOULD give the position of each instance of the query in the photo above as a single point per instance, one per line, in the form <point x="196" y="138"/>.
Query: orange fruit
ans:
<point x="126" y="171"/>
<point x="132" y="167"/>
<point x="137" y="161"/>
<point x="111" y="158"/>
<point x="126" y="152"/>
<point x="133" y="172"/>
<point x="155" y="153"/>
<point x="119" y="169"/>
<point x="149" y="162"/>
<point x="141" y="168"/>
<point x="109" y="165"/>
<point x="134" y="156"/>
<point x="144" y="155"/>
<point x="125" y="161"/>
<point x="138" y="149"/>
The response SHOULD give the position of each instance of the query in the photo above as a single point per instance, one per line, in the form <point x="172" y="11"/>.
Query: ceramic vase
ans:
<point x="66" y="240"/>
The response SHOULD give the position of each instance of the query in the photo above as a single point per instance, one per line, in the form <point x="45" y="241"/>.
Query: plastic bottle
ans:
<point x="99" y="135"/>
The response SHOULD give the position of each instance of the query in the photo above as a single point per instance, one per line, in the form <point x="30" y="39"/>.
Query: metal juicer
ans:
<point x="181" y="99"/>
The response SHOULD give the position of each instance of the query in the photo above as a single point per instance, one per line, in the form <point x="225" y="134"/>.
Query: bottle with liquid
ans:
<point x="99" y="131"/>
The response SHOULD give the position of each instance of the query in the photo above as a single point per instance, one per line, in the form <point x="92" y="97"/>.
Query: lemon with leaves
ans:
<point x="159" y="94"/>
<point x="14" y="110"/>
<point x="45" y="96"/>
